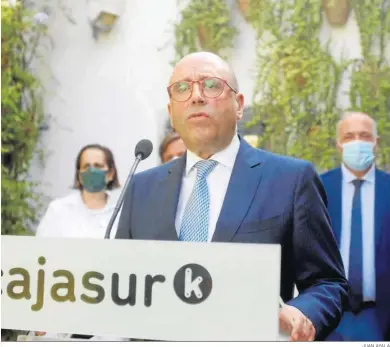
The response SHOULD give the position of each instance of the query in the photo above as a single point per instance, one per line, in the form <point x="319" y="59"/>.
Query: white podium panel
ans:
<point x="155" y="290"/>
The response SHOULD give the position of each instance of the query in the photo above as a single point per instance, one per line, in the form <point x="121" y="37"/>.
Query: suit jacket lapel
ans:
<point x="335" y="203"/>
<point x="381" y="203"/>
<point x="169" y="188"/>
<point x="241" y="190"/>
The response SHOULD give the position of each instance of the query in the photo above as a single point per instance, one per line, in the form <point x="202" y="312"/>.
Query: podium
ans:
<point x="26" y="338"/>
<point x="152" y="290"/>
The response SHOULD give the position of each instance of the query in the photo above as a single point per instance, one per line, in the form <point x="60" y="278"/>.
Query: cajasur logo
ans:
<point x="192" y="284"/>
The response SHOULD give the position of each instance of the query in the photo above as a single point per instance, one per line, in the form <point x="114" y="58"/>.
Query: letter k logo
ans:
<point x="192" y="283"/>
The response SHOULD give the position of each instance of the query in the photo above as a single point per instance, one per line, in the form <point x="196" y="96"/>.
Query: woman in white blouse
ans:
<point x="85" y="213"/>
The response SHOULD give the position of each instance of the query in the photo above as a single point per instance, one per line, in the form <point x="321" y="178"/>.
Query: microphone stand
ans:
<point x="119" y="203"/>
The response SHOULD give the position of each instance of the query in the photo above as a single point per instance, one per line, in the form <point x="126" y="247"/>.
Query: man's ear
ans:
<point x="240" y="105"/>
<point x="339" y="146"/>
<point x="377" y="144"/>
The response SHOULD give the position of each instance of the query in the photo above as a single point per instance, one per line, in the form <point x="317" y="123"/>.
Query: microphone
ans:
<point x="143" y="149"/>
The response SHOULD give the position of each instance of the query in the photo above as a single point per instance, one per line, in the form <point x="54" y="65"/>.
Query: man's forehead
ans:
<point x="357" y="121"/>
<point x="195" y="71"/>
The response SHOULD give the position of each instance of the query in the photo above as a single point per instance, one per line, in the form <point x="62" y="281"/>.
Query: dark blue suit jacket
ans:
<point x="270" y="199"/>
<point x="332" y="183"/>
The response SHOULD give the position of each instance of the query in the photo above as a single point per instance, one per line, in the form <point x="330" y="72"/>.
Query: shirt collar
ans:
<point x="226" y="157"/>
<point x="348" y="176"/>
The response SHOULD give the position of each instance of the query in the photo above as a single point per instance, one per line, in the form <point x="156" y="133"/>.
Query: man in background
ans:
<point x="359" y="207"/>
<point x="172" y="147"/>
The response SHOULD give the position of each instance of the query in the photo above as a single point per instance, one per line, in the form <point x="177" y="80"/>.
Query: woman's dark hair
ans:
<point x="110" y="163"/>
<point x="170" y="137"/>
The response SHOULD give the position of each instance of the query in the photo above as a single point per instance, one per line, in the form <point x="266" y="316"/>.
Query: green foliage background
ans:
<point x="21" y="116"/>
<point x="297" y="80"/>
<point x="295" y="92"/>
<point x="205" y="25"/>
<point x="370" y="85"/>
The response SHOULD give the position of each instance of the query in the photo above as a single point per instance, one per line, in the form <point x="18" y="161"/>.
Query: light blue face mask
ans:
<point x="358" y="155"/>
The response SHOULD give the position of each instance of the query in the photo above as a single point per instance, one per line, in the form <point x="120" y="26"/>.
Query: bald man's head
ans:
<point x="356" y="122"/>
<point x="206" y="57"/>
<point x="357" y="142"/>
<point x="204" y="104"/>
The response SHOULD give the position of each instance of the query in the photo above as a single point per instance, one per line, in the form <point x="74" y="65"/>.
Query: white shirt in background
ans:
<point x="70" y="217"/>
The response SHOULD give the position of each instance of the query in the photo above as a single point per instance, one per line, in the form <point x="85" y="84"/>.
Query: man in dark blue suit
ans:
<point x="224" y="190"/>
<point x="359" y="207"/>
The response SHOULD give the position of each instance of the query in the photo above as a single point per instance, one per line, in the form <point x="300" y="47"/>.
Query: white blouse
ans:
<point x="70" y="217"/>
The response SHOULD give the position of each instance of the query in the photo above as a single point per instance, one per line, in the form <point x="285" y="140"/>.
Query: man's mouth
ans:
<point x="198" y="115"/>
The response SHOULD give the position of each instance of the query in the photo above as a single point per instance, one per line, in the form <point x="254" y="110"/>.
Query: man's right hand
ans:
<point x="40" y="333"/>
<point x="294" y="323"/>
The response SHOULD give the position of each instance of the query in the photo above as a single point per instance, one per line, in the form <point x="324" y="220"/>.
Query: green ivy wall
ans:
<point x="297" y="81"/>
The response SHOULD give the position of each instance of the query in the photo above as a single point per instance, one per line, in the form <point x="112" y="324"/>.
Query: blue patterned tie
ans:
<point x="195" y="224"/>
<point x="355" y="275"/>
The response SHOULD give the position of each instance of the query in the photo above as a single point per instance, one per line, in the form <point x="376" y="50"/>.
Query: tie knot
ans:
<point x="357" y="183"/>
<point x="204" y="167"/>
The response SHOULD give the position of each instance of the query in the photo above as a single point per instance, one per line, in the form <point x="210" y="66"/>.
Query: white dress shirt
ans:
<point x="368" y="199"/>
<point x="217" y="181"/>
<point x="70" y="217"/>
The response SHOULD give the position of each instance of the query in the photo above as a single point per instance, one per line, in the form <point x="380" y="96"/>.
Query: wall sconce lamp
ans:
<point x="103" y="23"/>
<point x="104" y="14"/>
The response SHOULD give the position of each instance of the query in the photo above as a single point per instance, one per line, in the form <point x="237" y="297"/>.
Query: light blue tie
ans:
<point x="195" y="224"/>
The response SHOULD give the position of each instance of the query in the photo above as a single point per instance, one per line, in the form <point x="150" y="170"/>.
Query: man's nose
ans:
<point x="197" y="96"/>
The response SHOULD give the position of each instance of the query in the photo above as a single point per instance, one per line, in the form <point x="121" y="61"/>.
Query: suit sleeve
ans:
<point x="320" y="277"/>
<point x="124" y="224"/>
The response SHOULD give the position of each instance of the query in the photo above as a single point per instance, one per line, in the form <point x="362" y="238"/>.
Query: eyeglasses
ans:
<point x="210" y="87"/>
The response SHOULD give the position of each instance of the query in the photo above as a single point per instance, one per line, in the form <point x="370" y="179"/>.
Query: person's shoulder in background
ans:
<point x="287" y="164"/>
<point x="158" y="171"/>
<point x="70" y="199"/>
<point x="55" y="212"/>
<point x="113" y="196"/>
